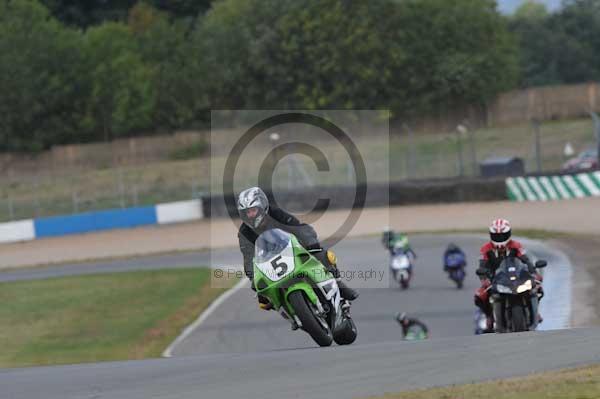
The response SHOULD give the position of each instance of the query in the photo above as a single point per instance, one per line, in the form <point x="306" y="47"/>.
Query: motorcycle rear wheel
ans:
<point x="321" y="335"/>
<point x="404" y="283"/>
<point x="347" y="333"/>
<point x="499" y="313"/>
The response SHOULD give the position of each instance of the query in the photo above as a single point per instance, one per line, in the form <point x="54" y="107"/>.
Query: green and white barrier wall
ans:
<point x="547" y="188"/>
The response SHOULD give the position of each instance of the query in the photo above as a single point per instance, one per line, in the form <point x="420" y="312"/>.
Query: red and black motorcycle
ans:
<point x="514" y="295"/>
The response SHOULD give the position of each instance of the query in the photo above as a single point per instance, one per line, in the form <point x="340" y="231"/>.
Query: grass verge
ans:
<point x="117" y="316"/>
<point x="534" y="234"/>
<point x="579" y="383"/>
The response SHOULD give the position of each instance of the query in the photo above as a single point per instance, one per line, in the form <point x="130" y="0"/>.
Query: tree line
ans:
<point x="562" y="47"/>
<point x="74" y="71"/>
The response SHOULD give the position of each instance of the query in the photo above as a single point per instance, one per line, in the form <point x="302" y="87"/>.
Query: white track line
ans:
<point x="213" y="306"/>
<point x="555" y="307"/>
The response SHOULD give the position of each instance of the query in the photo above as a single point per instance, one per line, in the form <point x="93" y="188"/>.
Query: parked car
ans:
<point x="586" y="160"/>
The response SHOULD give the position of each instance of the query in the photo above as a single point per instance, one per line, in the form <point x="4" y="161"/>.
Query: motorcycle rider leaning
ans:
<point x="500" y="246"/>
<point x="453" y="250"/>
<point x="394" y="242"/>
<point x="408" y="322"/>
<point x="257" y="216"/>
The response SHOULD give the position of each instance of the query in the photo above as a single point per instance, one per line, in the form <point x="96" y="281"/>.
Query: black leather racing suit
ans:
<point x="277" y="218"/>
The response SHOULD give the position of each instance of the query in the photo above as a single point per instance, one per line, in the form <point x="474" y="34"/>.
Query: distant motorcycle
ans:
<point x="412" y="329"/>
<point x="401" y="267"/>
<point x="454" y="264"/>
<point x="515" y="296"/>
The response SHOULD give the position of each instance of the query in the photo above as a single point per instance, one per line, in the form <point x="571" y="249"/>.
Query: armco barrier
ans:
<point x="94" y="221"/>
<point x="182" y="211"/>
<point x="22" y="230"/>
<point x="302" y="200"/>
<point x="53" y="226"/>
<point x="379" y="195"/>
<point x="545" y="188"/>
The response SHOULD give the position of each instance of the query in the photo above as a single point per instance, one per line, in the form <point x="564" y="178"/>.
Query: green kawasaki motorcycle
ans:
<point x="301" y="289"/>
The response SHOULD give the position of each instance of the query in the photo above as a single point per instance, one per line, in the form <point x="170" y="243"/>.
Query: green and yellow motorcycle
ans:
<point x="301" y="289"/>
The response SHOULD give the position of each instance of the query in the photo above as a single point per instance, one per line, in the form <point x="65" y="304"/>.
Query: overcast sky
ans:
<point x="509" y="6"/>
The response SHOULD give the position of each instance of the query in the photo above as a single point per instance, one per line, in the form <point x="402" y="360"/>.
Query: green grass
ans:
<point x="580" y="383"/>
<point x="189" y="173"/>
<point x="534" y="234"/>
<point x="117" y="316"/>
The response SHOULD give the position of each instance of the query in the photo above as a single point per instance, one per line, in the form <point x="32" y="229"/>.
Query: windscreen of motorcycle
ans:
<point x="274" y="254"/>
<point x="400" y="262"/>
<point x="512" y="266"/>
<point x="455" y="260"/>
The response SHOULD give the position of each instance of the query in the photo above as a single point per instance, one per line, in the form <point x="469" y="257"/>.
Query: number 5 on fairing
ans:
<point x="275" y="265"/>
<point x="282" y="267"/>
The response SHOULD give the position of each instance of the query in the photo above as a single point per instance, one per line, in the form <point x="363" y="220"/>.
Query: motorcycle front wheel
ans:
<point x="404" y="283"/>
<point x="499" y="318"/>
<point x="519" y="317"/>
<point x="316" y="329"/>
<point x="347" y="333"/>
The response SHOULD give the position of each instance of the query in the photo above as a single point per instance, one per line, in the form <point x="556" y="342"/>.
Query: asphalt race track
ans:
<point x="241" y="351"/>
<point x="238" y="325"/>
<point x="336" y="372"/>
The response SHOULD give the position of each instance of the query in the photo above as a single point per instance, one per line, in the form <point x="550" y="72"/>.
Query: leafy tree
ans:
<point x="176" y="77"/>
<point x="559" y="48"/>
<point x="336" y="53"/>
<point x="579" y="22"/>
<point x="157" y="70"/>
<point x="531" y="10"/>
<point x="89" y="12"/>
<point x="223" y="44"/>
<point x="122" y="96"/>
<point x="93" y="12"/>
<point x="459" y="52"/>
<point x="40" y="78"/>
<point x="413" y="55"/>
<point x="182" y="8"/>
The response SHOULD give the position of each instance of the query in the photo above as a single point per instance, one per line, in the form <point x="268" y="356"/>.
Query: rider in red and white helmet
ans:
<point x="500" y="246"/>
<point x="500" y="233"/>
<point x="492" y="253"/>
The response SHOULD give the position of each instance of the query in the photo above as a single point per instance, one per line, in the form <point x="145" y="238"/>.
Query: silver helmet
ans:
<point x="253" y="206"/>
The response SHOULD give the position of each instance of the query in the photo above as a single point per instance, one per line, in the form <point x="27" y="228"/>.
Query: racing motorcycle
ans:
<point x="515" y="296"/>
<point x="301" y="289"/>
<point x="455" y="266"/>
<point x="401" y="267"/>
